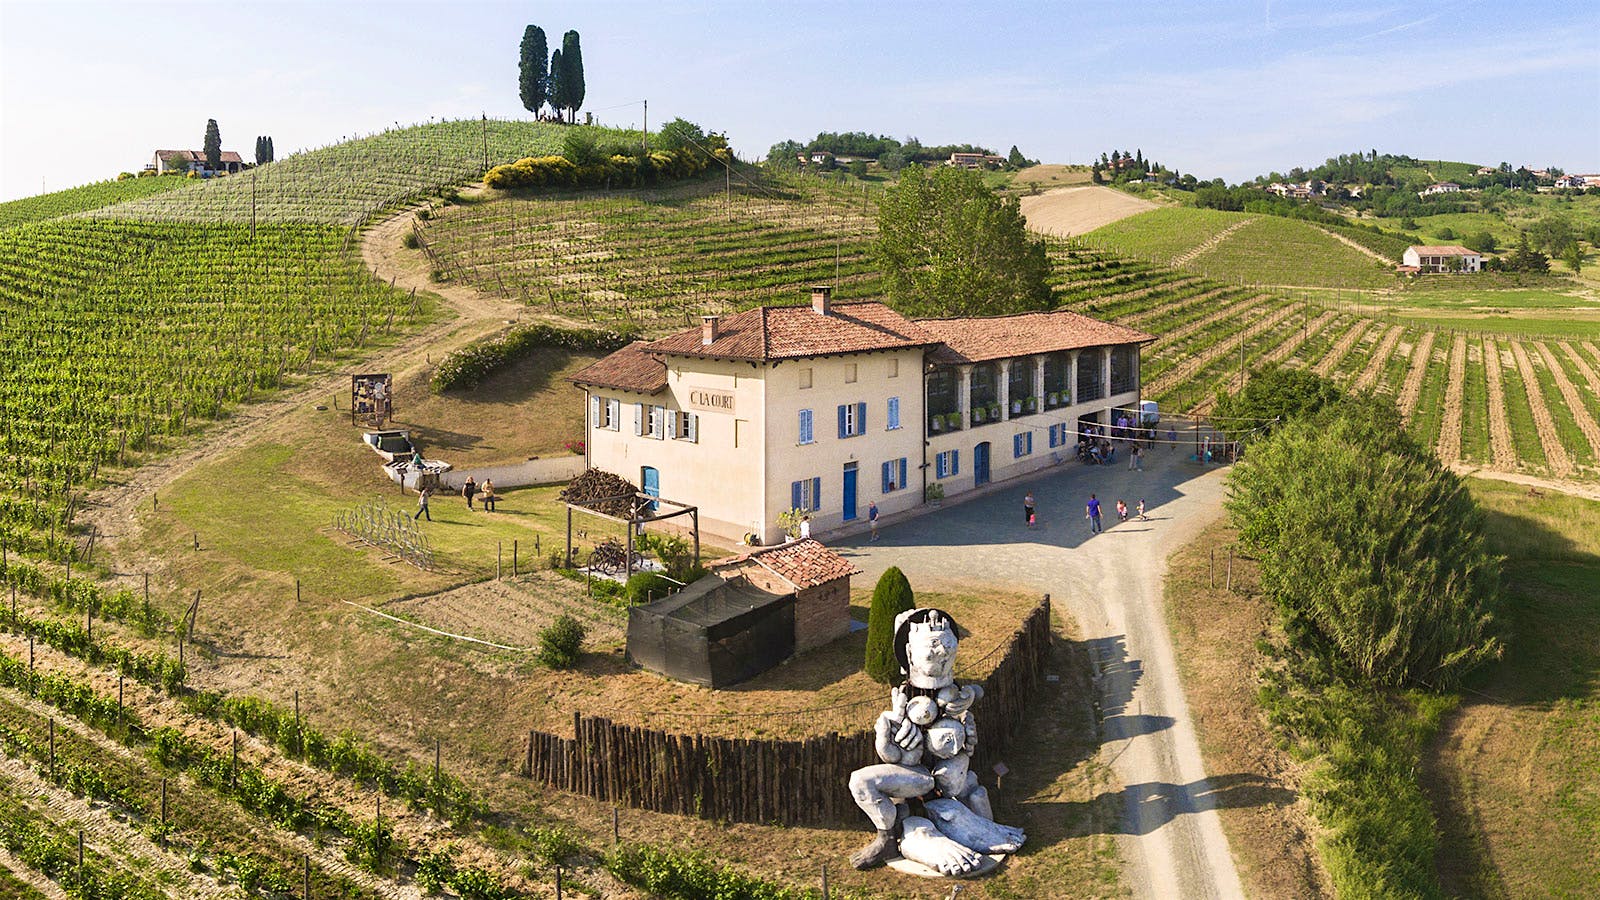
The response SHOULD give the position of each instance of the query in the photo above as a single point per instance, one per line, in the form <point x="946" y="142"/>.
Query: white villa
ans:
<point x="832" y="406"/>
<point x="1441" y="259"/>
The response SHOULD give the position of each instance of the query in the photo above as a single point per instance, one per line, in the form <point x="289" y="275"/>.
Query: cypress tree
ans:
<point x="271" y="153"/>
<point x="890" y="598"/>
<point x="261" y="149"/>
<point x="534" y="78"/>
<point x="556" y="86"/>
<point x="213" y="145"/>
<point x="572" y="74"/>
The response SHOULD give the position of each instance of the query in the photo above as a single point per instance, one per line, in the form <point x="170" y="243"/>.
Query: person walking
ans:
<point x="1142" y="516"/>
<point x="1027" y="509"/>
<point x="422" y="505"/>
<point x="1135" y="458"/>
<point x="1093" y="514"/>
<point x="872" y="518"/>
<point x="1122" y="511"/>
<point x="469" y="489"/>
<point x="488" y="495"/>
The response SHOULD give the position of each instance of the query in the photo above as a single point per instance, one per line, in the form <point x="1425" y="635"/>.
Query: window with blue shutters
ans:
<point x="852" y="419"/>
<point x="894" y="413"/>
<point x="894" y="475"/>
<point x="806" y="494"/>
<point x="1022" y="444"/>
<point x="1058" y="435"/>
<point x="806" y="434"/>
<point x="947" y="464"/>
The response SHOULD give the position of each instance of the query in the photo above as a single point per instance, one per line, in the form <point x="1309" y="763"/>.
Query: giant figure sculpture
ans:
<point x="925" y="741"/>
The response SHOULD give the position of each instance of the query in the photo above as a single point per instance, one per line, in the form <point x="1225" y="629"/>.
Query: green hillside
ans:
<point x="347" y="183"/>
<point x="84" y="198"/>
<point x="1165" y="234"/>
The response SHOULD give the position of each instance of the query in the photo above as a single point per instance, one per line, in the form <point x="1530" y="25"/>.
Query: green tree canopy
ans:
<point x="785" y="154"/>
<point x="571" y="74"/>
<point x="1373" y="552"/>
<point x="532" y="74"/>
<point x="213" y="145"/>
<point x="1272" y="393"/>
<point x="555" y="84"/>
<point x="950" y="246"/>
<point x="890" y="598"/>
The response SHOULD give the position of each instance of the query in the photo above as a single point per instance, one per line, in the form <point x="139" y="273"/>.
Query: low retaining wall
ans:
<point x="801" y="782"/>
<point x="533" y="471"/>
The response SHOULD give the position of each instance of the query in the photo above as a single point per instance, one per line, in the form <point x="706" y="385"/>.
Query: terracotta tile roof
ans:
<point x="1450" y="250"/>
<point x="802" y="563"/>
<point x="228" y="156"/>
<point x="997" y="337"/>
<point x="791" y="332"/>
<point x="630" y="369"/>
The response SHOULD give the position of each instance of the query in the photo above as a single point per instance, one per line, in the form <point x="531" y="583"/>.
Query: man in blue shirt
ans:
<point x="1093" y="515"/>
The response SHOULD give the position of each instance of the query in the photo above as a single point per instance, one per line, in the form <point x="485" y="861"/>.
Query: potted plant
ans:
<point x="936" y="423"/>
<point x="1016" y="406"/>
<point x="1053" y="398"/>
<point x="934" y="493"/>
<point x="978" y="414"/>
<point x="994" y="412"/>
<point x="954" y="421"/>
<point x="1031" y="404"/>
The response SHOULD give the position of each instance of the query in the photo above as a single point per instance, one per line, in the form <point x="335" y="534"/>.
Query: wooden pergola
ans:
<point x="642" y="510"/>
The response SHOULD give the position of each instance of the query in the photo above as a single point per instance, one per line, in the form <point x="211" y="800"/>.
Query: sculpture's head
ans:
<point x="925" y="643"/>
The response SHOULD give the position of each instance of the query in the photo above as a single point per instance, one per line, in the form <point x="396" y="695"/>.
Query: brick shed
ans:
<point x="818" y="578"/>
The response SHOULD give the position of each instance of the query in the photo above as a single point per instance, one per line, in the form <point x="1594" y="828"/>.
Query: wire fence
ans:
<point x="393" y="532"/>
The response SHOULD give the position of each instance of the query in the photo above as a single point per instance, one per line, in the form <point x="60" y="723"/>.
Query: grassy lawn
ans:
<point x="1583" y="325"/>
<point x="1274" y="250"/>
<point x="1516" y="764"/>
<point x="1164" y="233"/>
<point x="1475" y="407"/>
<point x="1456" y="294"/>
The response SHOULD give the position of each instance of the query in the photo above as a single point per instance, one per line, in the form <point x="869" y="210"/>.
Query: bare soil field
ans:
<point x="1340" y="350"/>
<point x="1375" y="362"/>
<point x="1573" y="396"/>
<point x="1502" y="449"/>
<point x="1449" y="446"/>
<point x="1077" y="210"/>
<point x="1554" y="453"/>
<point x="1052" y="175"/>
<point x="1421" y="355"/>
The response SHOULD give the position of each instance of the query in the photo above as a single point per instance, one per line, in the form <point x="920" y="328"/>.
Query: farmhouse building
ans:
<point x="829" y="407"/>
<point x="1442" y="187"/>
<point x="975" y="161"/>
<point x="1441" y="259"/>
<point x="166" y="161"/>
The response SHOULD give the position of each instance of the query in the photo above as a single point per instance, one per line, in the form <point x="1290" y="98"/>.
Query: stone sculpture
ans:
<point x="925" y="741"/>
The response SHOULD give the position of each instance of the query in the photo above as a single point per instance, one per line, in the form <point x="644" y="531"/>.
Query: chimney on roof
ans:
<point x="819" y="299"/>
<point x="708" y="329"/>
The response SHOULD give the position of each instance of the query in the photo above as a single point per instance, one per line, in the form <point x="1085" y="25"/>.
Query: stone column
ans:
<point x="1105" y="372"/>
<point x="1038" y="381"/>
<point x="1072" y="378"/>
<point x="964" y="396"/>
<point x="1003" y="388"/>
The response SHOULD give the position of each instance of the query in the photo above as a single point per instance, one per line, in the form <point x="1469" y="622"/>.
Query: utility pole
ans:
<point x="485" y="141"/>
<point x="252" y="206"/>
<point x="644" y="141"/>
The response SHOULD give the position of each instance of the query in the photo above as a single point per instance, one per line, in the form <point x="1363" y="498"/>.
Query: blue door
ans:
<point x="651" y="480"/>
<point x="980" y="464"/>
<point x="849" y="491"/>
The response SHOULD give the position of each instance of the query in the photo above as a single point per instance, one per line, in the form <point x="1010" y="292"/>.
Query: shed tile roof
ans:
<point x="792" y="332"/>
<point x="630" y="369"/>
<point x="997" y="337"/>
<point x="804" y="563"/>
<point x="1449" y="250"/>
<point x="228" y="156"/>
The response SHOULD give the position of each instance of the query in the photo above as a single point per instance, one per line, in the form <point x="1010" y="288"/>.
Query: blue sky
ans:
<point x="1217" y="89"/>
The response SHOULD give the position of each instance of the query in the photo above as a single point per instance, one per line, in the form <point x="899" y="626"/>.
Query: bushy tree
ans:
<point x="213" y="145"/>
<point x="785" y="154"/>
<point x="561" y="644"/>
<point x="531" y="72"/>
<point x="1483" y="242"/>
<point x="1373" y="552"/>
<point x="950" y="246"/>
<point x="1275" y="392"/>
<point x="890" y="598"/>
<point x="556" y="84"/>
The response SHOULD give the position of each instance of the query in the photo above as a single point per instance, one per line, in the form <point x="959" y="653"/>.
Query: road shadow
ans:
<point x="1140" y="809"/>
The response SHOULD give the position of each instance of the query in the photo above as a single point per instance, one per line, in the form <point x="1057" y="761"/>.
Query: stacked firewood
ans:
<point x="615" y="494"/>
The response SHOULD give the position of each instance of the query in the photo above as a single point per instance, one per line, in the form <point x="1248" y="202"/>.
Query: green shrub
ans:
<point x="668" y="873"/>
<point x="561" y="643"/>
<point x="1275" y="393"/>
<point x="645" y="586"/>
<point x="410" y="240"/>
<point x="890" y="598"/>
<point x="467" y="367"/>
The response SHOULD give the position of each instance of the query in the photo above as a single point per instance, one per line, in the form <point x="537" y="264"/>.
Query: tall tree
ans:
<point x="533" y="76"/>
<point x="890" y="598"/>
<point x="213" y="145"/>
<point x="950" y="246"/>
<point x="572" y="73"/>
<point x="556" y="84"/>
<point x="261" y="149"/>
<point x="272" y="152"/>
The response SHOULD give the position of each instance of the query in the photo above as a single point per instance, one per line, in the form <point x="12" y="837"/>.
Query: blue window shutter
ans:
<point x="886" y="477"/>
<point x="842" y="431"/>
<point x="902" y="481"/>
<point x="894" y="413"/>
<point x="806" y="434"/>
<point x="955" y="462"/>
<point x="861" y="418"/>
<point x="816" y="494"/>
<point x="794" y="495"/>
<point x="638" y="418"/>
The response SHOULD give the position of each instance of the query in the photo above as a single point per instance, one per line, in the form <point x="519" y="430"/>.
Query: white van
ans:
<point x="1149" y="414"/>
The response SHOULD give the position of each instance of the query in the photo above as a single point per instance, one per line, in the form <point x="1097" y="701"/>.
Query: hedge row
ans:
<point x="469" y="366"/>
<point x="614" y="171"/>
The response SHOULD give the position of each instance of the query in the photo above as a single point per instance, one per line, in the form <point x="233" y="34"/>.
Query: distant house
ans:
<point x="975" y="161"/>
<point x="1486" y="170"/>
<point x="1441" y="259"/>
<point x="166" y="161"/>
<point x="1578" y="181"/>
<point x="1441" y="187"/>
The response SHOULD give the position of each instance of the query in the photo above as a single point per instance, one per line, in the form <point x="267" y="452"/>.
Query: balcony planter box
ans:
<point x="1053" y="398"/>
<point x="954" y="421"/>
<point x="1030" y="403"/>
<point x="1016" y="407"/>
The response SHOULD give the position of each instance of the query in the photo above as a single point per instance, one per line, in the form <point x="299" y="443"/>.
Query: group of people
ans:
<point x="469" y="489"/>
<point x="1092" y="512"/>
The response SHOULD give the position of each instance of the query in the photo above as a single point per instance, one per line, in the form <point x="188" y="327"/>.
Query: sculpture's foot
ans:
<point x="960" y="824"/>
<point x="881" y="850"/>
<point x="921" y="842"/>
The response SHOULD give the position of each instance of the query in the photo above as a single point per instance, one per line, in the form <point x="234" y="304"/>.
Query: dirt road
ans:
<point x="1171" y="837"/>
<point x="1075" y="210"/>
